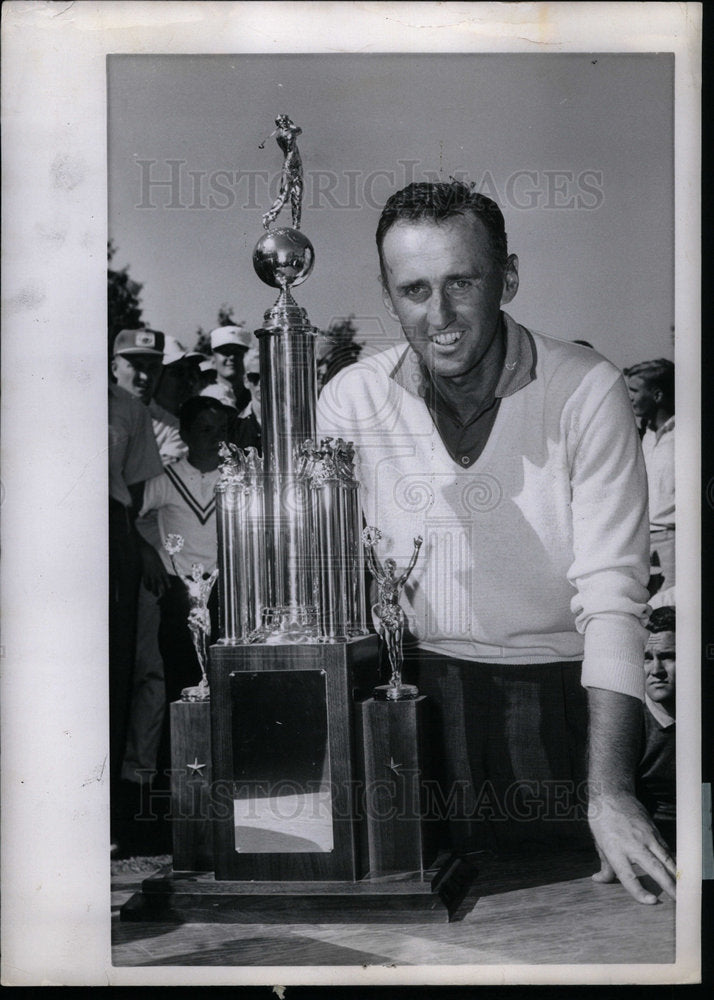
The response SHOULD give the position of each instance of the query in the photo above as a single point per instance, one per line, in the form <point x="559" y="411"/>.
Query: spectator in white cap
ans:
<point x="248" y="427"/>
<point x="206" y="372"/>
<point x="229" y="345"/>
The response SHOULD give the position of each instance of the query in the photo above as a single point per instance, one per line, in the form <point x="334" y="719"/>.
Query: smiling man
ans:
<point x="229" y="345"/>
<point x="136" y="362"/>
<point x="516" y="458"/>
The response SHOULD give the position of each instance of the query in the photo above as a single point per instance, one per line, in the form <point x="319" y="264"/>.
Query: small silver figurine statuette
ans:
<point x="291" y="186"/>
<point x="391" y="616"/>
<point x="199" y="617"/>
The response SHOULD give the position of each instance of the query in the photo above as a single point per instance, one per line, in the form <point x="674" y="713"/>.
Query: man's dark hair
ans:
<point x="663" y="620"/>
<point x="192" y="409"/>
<point x="435" y="202"/>
<point x="657" y="374"/>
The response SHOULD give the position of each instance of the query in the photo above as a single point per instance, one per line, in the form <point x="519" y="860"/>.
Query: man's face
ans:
<point x="229" y="362"/>
<point x="137" y="373"/>
<point x="644" y="399"/>
<point x="177" y="383"/>
<point x="206" y="433"/>
<point x="445" y="289"/>
<point x="660" y="664"/>
<point x="252" y="384"/>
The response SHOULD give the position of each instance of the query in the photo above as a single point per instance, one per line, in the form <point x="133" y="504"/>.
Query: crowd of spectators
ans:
<point x="169" y="410"/>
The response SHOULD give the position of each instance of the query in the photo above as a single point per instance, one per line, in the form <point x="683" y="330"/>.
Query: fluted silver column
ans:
<point x="243" y="565"/>
<point x="338" y="540"/>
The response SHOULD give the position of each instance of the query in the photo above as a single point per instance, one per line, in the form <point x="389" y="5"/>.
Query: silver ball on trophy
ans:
<point x="283" y="257"/>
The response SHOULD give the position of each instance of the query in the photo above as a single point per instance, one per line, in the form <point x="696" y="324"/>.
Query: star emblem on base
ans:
<point x="195" y="767"/>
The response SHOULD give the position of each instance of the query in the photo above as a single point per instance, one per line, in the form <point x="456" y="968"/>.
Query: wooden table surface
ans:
<point x="531" y="910"/>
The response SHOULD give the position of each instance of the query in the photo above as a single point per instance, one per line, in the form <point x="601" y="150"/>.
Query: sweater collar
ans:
<point x="660" y="713"/>
<point x="519" y="365"/>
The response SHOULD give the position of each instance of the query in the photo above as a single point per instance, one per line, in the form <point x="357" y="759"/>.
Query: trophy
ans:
<point x="289" y="537"/>
<point x="298" y="745"/>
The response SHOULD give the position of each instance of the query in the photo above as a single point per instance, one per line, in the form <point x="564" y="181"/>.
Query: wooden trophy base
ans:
<point x="393" y="753"/>
<point x="198" y="897"/>
<point x="379" y="867"/>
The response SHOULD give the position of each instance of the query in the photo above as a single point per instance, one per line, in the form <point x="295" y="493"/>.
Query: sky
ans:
<point x="576" y="148"/>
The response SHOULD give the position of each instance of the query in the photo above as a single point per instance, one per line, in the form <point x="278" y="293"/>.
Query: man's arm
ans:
<point x="153" y="573"/>
<point x="623" y="831"/>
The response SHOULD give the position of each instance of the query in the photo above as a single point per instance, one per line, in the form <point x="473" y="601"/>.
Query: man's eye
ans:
<point x="415" y="292"/>
<point x="461" y="284"/>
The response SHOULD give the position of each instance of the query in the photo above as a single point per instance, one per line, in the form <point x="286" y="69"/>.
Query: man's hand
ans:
<point x="624" y="833"/>
<point x="154" y="575"/>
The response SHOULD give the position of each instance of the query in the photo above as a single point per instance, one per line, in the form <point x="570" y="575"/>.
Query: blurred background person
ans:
<point x="248" y="425"/>
<point x="179" y="378"/>
<point x="184" y="502"/>
<point x="206" y="372"/>
<point x="336" y="349"/>
<point x="651" y="388"/>
<point x="177" y="381"/>
<point x="133" y="460"/>
<point x="137" y="367"/>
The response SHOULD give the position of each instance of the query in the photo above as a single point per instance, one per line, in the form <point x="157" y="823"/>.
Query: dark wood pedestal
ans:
<point x="183" y="897"/>
<point x="315" y="794"/>
<point x="191" y="782"/>
<point x="394" y="750"/>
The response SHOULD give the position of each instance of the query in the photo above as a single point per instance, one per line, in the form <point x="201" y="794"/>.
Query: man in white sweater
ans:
<point x="516" y="458"/>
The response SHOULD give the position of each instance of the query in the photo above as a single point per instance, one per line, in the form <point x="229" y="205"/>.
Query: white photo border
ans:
<point x="55" y="820"/>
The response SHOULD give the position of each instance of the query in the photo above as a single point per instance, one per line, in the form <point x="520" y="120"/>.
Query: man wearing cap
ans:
<point x="177" y="382"/>
<point x="136" y="366"/>
<point x="229" y="345"/>
<point x="133" y="459"/>
<point x="179" y="378"/>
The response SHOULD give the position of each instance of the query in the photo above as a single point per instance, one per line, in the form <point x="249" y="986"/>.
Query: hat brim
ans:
<point x="138" y="350"/>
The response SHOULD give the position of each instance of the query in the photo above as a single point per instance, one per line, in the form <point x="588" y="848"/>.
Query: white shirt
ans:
<point x="221" y="391"/>
<point x="166" y="432"/>
<point x="658" y="449"/>
<point x="186" y="505"/>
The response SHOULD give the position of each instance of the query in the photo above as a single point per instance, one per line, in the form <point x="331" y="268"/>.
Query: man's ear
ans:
<point x="114" y="367"/>
<point x="510" y="280"/>
<point x="657" y="395"/>
<point x="387" y="300"/>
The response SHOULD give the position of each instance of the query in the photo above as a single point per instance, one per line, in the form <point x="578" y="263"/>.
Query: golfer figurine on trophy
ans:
<point x="390" y="614"/>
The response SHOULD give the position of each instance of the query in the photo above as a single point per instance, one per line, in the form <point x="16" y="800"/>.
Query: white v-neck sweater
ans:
<point x="539" y="551"/>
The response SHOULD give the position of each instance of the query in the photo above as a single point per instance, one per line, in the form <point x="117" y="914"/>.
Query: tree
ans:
<point x="124" y="310"/>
